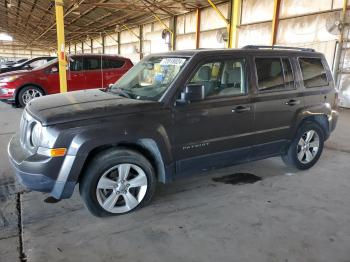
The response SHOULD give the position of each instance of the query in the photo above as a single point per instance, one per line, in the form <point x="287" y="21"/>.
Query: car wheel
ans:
<point x="306" y="148"/>
<point x="117" y="181"/>
<point x="27" y="94"/>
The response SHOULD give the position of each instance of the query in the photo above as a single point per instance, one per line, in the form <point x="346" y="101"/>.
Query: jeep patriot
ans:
<point x="172" y="115"/>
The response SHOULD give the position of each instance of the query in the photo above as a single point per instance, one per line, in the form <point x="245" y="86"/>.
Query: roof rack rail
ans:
<point x="278" y="47"/>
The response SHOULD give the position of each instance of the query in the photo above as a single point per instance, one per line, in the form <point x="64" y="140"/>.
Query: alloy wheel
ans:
<point x="121" y="188"/>
<point x="30" y="94"/>
<point x="308" y="146"/>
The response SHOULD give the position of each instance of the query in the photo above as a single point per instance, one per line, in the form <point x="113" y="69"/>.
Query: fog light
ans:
<point x="56" y="152"/>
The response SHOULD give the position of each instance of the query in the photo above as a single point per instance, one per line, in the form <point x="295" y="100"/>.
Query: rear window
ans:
<point x="274" y="74"/>
<point x="313" y="71"/>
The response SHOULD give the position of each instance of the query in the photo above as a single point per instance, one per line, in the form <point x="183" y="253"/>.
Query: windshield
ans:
<point x="150" y="78"/>
<point x="46" y="64"/>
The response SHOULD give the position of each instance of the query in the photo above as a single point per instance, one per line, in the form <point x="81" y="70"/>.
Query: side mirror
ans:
<point x="54" y="69"/>
<point x="192" y="93"/>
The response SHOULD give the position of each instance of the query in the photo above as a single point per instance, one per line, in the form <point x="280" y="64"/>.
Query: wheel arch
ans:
<point x="319" y="118"/>
<point x="146" y="147"/>
<point x="18" y="90"/>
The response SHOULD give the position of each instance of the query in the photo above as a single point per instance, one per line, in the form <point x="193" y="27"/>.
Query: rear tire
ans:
<point x="28" y="93"/>
<point x="306" y="147"/>
<point x="117" y="181"/>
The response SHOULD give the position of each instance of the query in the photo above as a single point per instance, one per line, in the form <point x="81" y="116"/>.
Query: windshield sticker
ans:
<point x="173" y="61"/>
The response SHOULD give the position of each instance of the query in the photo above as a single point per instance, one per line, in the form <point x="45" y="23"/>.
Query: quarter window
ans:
<point x="223" y="78"/>
<point x="274" y="74"/>
<point x="314" y="73"/>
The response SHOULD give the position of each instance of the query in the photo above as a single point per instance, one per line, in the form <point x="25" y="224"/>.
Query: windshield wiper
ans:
<point x="120" y="91"/>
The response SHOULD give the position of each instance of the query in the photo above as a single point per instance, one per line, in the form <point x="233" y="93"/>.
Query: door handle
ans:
<point x="292" y="102"/>
<point x="241" y="109"/>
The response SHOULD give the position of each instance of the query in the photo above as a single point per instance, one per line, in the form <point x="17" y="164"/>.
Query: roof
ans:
<point x="33" y="21"/>
<point x="284" y="50"/>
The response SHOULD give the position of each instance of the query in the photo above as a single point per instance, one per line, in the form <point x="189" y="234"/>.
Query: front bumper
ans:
<point x="7" y="96"/>
<point x="41" y="173"/>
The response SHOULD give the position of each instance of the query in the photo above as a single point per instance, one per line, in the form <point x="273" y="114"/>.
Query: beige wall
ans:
<point x="306" y="30"/>
<point x="16" y="51"/>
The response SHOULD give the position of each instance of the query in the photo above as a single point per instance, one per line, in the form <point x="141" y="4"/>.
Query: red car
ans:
<point x="85" y="72"/>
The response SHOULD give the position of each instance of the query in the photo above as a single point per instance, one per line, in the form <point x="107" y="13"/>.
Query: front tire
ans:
<point x="117" y="181"/>
<point x="306" y="147"/>
<point x="28" y="93"/>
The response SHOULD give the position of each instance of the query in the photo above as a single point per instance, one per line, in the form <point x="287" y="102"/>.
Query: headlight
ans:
<point x="8" y="78"/>
<point x="35" y="137"/>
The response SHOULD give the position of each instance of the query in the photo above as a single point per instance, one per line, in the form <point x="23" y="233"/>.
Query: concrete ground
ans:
<point x="287" y="216"/>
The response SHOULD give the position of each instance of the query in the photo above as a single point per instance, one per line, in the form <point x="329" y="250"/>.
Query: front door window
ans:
<point x="222" y="78"/>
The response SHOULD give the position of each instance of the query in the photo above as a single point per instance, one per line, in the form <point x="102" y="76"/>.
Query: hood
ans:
<point x="13" y="72"/>
<point x="82" y="105"/>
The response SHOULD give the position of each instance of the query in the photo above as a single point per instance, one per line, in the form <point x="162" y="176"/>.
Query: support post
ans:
<point x="336" y="70"/>
<point x="141" y="42"/>
<point x="275" y="21"/>
<point x="103" y="44"/>
<point x="198" y="27"/>
<point x="119" y="51"/>
<point x="216" y="9"/>
<point x="235" y="22"/>
<point x="91" y="46"/>
<point x="62" y="63"/>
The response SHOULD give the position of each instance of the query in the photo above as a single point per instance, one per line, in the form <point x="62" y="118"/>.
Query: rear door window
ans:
<point x="313" y="71"/>
<point x="76" y="64"/>
<point x="92" y="63"/>
<point x="112" y="63"/>
<point x="274" y="74"/>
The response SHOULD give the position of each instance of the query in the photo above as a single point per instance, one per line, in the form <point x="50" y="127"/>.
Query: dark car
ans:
<point x="26" y="65"/>
<point x="85" y="72"/>
<point x="173" y="115"/>
<point x="11" y="63"/>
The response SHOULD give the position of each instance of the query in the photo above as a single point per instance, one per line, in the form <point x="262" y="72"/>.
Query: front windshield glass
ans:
<point x="46" y="64"/>
<point x="150" y="78"/>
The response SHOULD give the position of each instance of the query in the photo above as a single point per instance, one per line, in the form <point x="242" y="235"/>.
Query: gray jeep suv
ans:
<point x="176" y="114"/>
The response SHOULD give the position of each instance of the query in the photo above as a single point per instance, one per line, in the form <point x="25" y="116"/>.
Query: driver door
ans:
<point x="216" y="131"/>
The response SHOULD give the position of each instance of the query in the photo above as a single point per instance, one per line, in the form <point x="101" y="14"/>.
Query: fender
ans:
<point x="320" y="112"/>
<point x="157" y="144"/>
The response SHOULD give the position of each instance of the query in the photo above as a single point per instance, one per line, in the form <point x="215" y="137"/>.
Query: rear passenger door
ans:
<point x="93" y="72"/>
<point x="75" y="75"/>
<point x="216" y="131"/>
<point x="277" y="100"/>
<point x="113" y="69"/>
